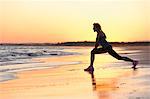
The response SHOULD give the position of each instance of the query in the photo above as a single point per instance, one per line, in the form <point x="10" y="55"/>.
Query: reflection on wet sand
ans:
<point x="104" y="86"/>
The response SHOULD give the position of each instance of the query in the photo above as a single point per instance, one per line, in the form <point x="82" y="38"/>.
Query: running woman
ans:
<point x="106" y="47"/>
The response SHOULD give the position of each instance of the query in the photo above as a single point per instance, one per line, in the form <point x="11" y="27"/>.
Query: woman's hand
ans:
<point x="96" y="45"/>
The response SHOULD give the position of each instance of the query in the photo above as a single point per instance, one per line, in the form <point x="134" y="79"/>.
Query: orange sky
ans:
<point x="39" y="21"/>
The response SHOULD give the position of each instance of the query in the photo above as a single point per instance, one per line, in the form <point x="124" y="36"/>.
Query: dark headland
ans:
<point x="79" y="43"/>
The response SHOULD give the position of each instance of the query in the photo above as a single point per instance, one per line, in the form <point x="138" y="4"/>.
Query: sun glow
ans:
<point x="71" y="20"/>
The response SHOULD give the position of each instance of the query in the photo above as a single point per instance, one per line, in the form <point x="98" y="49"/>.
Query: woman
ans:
<point x="106" y="47"/>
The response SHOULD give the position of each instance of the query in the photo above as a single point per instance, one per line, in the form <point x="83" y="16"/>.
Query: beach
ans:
<point x="112" y="78"/>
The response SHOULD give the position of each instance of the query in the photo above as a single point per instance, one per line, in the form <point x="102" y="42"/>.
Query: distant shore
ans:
<point x="79" y="43"/>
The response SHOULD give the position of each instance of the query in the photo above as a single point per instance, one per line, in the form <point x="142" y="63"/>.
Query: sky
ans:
<point x="52" y="21"/>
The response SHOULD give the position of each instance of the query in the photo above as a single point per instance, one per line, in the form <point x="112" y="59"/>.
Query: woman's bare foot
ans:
<point x="90" y="69"/>
<point x="134" y="64"/>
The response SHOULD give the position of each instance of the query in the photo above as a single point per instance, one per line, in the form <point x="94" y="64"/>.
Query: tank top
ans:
<point x="103" y="42"/>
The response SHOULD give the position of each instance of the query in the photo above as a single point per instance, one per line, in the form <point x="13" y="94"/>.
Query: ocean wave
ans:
<point x="7" y="76"/>
<point x="23" y="67"/>
<point x="22" y="54"/>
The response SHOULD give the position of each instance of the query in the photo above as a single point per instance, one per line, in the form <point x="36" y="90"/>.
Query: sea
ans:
<point x="24" y="54"/>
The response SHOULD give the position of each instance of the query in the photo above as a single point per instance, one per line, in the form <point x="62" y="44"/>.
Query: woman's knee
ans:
<point x="119" y="58"/>
<point x="93" y="51"/>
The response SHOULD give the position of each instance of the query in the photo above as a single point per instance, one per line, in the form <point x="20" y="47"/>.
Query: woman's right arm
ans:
<point x="97" y="40"/>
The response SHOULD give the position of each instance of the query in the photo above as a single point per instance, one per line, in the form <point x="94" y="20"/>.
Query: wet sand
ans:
<point x="111" y="80"/>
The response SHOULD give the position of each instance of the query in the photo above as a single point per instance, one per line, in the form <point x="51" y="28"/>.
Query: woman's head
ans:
<point x="96" y="27"/>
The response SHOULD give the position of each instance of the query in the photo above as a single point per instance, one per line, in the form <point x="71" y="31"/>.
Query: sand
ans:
<point x="110" y="80"/>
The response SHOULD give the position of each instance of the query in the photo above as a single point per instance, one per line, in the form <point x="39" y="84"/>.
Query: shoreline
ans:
<point x="10" y="74"/>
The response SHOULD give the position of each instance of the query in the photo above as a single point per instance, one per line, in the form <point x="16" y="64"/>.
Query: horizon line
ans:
<point x="78" y="42"/>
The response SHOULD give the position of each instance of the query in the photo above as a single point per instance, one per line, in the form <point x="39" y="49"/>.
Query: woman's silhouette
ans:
<point x="106" y="47"/>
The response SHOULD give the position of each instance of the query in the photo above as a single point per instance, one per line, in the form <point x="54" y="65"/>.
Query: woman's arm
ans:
<point x="97" y="40"/>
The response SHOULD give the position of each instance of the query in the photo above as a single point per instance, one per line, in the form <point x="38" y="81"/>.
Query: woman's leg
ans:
<point x="92" y="58"/>
<point x="117" y="56"/>
<point x="96" y="51"/>
<point x="114" y="54"/>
